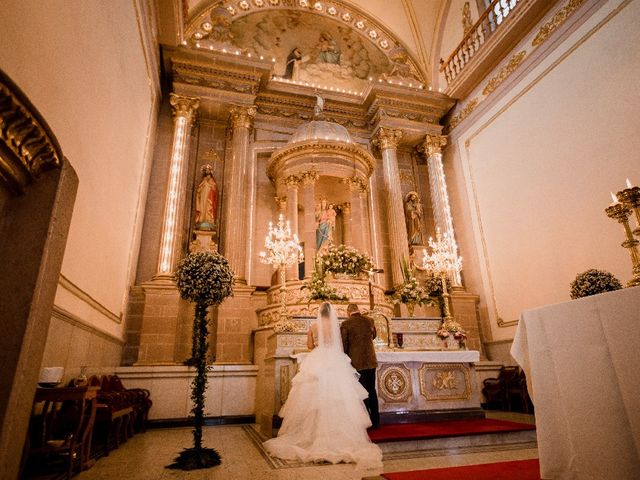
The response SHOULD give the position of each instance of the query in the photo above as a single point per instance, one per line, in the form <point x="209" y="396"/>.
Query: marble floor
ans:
<point x="144" y="456"/>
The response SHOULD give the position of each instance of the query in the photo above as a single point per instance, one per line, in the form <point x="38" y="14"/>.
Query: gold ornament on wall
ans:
<point x="505" y="72"/>
<point x="556" y="22"/>
<point x="463" y="113"/>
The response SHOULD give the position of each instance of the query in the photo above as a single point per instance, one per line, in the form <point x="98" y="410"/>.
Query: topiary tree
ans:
<point x="205" y="279"/>
<point x="593" y="282"/>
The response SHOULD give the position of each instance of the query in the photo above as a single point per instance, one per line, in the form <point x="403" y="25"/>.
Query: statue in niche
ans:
<point x="206" y="200"/>
<point x="413" y="215"/>
<point x="325" y="225"/>
<point x="329" y="49"/>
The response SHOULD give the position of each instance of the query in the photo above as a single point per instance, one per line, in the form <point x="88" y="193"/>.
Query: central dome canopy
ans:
<point x="321" y="130"/>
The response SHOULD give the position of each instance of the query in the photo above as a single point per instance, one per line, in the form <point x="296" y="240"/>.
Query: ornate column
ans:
<point x="292" y="182"/>
<point x="356" y="212"/>
<point x="433" y="145"/>
<point x="235" y="237"/>
<point x="309" y="232"/>
<point x="347" y="234"/>
<point x="387" y="141"/>
<point x="184" y="115"/>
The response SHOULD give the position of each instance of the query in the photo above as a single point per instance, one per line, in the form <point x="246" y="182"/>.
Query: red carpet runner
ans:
<point x="517" y="470"/>
<point x="453" y="428"/>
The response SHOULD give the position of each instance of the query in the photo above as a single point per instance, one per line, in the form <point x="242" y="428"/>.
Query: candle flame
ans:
<point x="629" y="184"/>
<point x="614" y="198"/>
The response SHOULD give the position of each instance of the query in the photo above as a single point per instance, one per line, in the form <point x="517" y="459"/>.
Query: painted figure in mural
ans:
<point x="413" y="214"/>
<point x="206" y="200"/>
<point x="329" y="49"/>
<point x="221" y="26"/>
<point x="292" y="69"/>
<point x="325" y="225"/>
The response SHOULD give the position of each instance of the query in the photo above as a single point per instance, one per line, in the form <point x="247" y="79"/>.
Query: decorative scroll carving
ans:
<point x="462" y="114"/>
<point x="387" y="138"/>
<point x="505" y="72"/>
<point x="556" y="21"/>
<point x="445" y="381"/>
<point x="242" y="116"/>
<point x="394" y="383"/>
<point x="292" y="181"/>
<point x="25" y="136"/>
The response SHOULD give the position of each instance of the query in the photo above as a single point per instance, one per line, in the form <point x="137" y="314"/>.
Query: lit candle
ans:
<point x="629" y="184"/>
<point x="614" y="198"/>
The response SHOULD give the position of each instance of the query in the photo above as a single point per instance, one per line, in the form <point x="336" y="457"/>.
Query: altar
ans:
<point x="414" y="384"/>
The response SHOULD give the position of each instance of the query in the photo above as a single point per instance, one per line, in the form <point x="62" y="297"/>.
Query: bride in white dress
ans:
<point x="324" y="417"/>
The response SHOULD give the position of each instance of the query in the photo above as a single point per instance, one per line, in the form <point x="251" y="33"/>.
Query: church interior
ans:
<point x="183" y="183"/>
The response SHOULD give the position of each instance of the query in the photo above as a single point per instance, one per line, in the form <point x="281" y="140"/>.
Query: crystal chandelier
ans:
<point x="442" y="262"/>
<point x="282" y="250"/>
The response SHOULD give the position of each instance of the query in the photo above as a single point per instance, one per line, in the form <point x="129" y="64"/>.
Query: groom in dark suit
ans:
<point x="358" y="332"/>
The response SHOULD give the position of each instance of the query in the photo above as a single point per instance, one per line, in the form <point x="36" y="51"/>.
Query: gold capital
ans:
<point x="242" y="115"/>
<point x="356" y="184"/>
<point x="309" y="177"/>
<point x="387" y="138"/>
<point x="433" y="144"/>
<point x="292" y="181"/>
<point x="184" y="106"/>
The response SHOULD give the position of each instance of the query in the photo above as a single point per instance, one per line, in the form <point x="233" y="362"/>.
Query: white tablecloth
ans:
<point x="425" y="356"/>
<point x="582" y="361"/>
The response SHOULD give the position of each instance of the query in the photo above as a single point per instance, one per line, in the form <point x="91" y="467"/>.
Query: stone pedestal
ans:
<point x="235" y="319"/>
<point x="465" y="312"/>
<point x="159" y="331"/>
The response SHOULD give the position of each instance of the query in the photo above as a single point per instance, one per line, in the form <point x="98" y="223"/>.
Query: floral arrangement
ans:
<point x="410" y="291"/>
<point x="204" y="278"/>
<point x="347" y="260"/>
<point x="593" y="282"/>
<point x="318" y="288"/>
<point x="433" y="284"/>
<point x="452" y="327"/>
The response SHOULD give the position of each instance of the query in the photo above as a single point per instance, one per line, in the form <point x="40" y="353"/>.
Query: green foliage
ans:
<point x="318" y="288"/>
<point x="410" y="291"/>
<point x="205" y="278"/>
<point x="592" y="282"/>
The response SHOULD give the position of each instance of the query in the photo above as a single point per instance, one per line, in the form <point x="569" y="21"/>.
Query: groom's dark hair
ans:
<point x="352" y="308"/>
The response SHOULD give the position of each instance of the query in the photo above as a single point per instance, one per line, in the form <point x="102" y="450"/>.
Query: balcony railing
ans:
<point x="492" y="19"/>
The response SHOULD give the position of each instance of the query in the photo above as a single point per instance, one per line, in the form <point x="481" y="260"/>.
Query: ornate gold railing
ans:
<point x="493" y="17"/>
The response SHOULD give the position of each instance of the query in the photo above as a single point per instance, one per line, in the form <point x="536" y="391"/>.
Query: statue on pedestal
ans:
<point x="326" y="224"/>
<point x="206" y="201"/>
<point x="413" y="214"/>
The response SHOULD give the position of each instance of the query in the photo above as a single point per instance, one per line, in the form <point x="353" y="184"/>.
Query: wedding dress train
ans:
<point x="324" y="417"/>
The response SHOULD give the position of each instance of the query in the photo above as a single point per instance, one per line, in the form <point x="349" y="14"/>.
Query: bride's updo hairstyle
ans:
<point x="325" y="310"/>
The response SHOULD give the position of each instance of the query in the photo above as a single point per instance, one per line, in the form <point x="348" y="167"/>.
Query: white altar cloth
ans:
<point x="430" y="356"/>
<point x="582" y="361"/>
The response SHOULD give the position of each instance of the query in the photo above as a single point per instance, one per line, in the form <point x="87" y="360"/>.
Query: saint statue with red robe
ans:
<point x="206" y="200"/>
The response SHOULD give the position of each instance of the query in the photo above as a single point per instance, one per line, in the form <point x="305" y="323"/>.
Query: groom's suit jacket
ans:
<point x="358" y="332"/>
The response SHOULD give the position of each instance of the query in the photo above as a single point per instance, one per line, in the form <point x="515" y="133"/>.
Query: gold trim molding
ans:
<point x="27" y="145"/>
<point x="505" y="72"/>
<point x="556" y="22"/>
<point x="462" y="114"/>
<point x="79" y="293"/>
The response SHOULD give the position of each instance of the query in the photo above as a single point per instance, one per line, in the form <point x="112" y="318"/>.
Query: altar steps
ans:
<point x="447" y="436"/>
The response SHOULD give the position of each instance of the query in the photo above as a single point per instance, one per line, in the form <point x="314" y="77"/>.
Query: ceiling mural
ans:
<point x="309" y="42"/>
